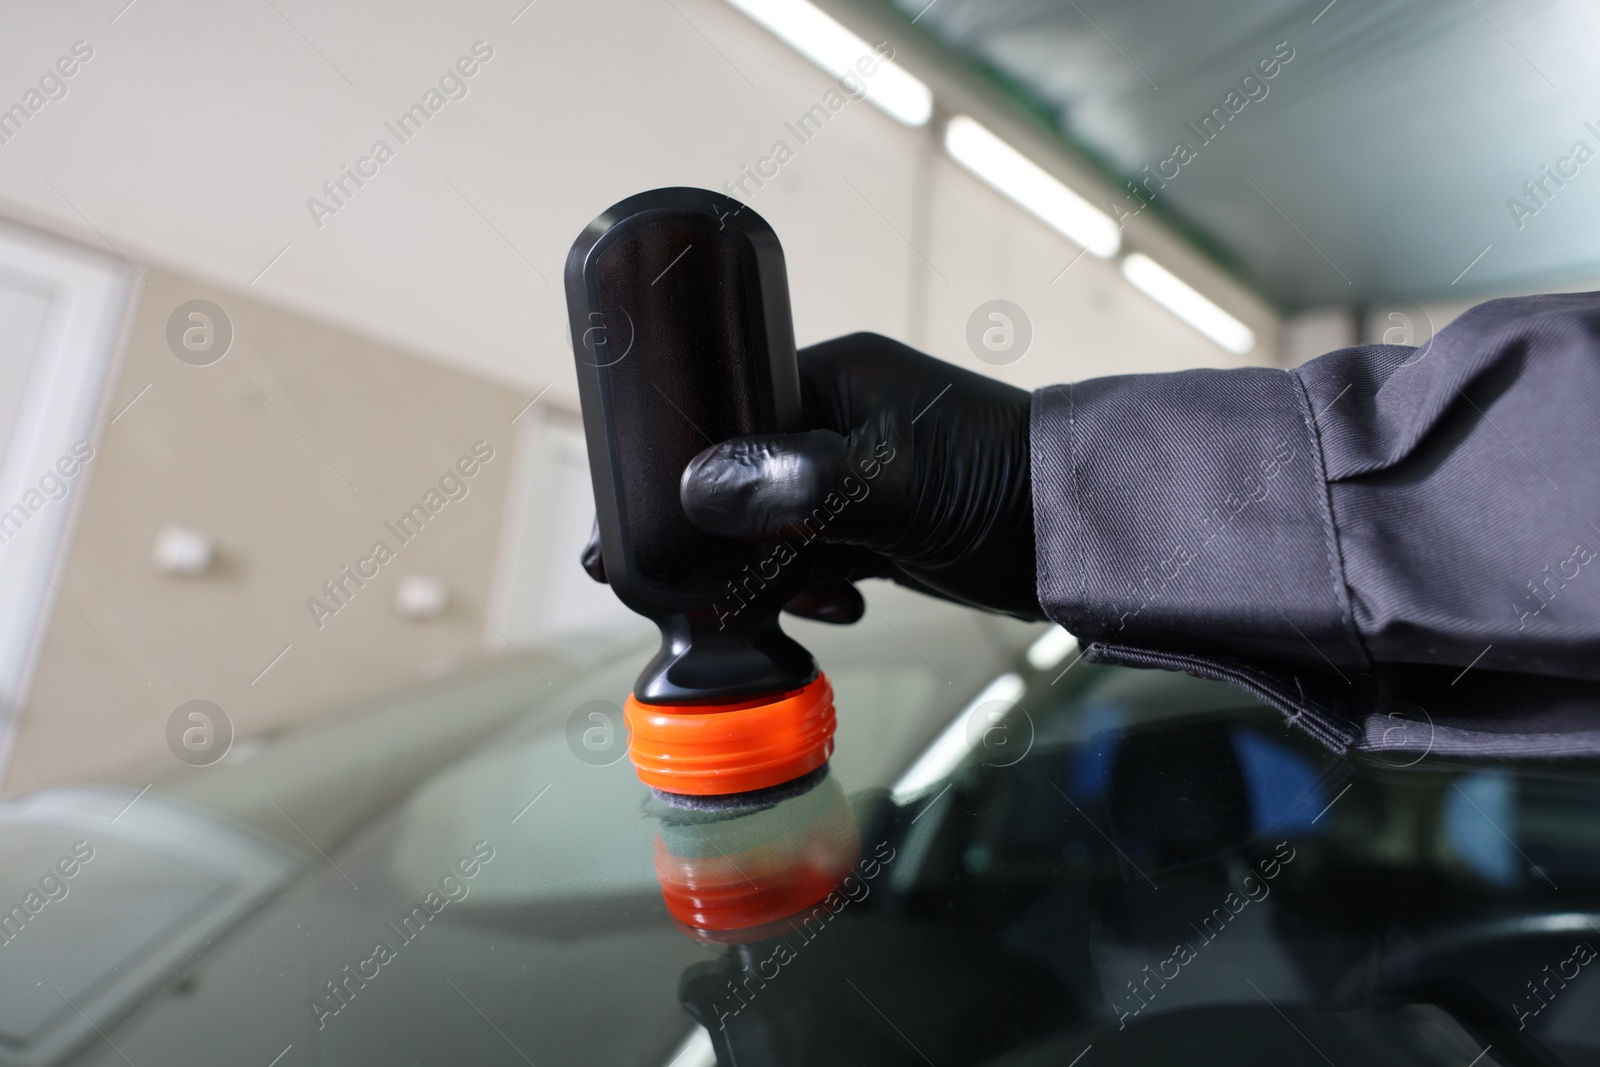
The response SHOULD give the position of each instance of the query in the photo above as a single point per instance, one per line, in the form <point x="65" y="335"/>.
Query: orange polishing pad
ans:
<point x="717" y="749"/>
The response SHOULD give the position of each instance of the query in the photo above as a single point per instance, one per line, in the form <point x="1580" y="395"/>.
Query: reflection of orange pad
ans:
<point x="752" y="893"/>
<point x="743" y="879"/>
<point x="716" y="749"/>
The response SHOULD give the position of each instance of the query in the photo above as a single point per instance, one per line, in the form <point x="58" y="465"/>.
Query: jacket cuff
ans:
<point x="1188" y="513"/>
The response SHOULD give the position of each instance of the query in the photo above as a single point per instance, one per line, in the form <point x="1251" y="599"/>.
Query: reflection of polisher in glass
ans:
<point x="746" y="877"/>
<point x="766" y="884"/>
<point x="729" y="706"/>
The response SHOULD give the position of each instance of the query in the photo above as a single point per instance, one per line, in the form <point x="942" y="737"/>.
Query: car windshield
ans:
<point x="1015" y="857"/>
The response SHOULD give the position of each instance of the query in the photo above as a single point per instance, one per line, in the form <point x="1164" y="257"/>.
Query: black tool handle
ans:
<point x="679" y="307"/>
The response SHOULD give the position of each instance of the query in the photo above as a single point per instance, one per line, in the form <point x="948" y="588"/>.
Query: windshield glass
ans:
<point x="1015" y="857"/>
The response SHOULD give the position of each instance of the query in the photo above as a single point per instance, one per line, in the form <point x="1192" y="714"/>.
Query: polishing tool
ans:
<point x="679" y="307"/>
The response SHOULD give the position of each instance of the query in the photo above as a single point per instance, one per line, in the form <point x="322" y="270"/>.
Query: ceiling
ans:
<point x="1380" y="161"/>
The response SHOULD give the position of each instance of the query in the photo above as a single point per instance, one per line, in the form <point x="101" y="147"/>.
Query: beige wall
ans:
<point x="197" y="133"/>
<point x="204" y="447"/>
<point x="582" y="105"/>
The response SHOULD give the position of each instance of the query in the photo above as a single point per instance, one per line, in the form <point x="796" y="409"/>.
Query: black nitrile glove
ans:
<point x="912" y="469"/>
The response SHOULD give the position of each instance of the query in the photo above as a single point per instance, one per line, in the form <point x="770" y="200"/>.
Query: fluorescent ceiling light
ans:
<point x="1166" y="289"/>
<point x="1030" y="185"/>
<point x="836" y="50"/>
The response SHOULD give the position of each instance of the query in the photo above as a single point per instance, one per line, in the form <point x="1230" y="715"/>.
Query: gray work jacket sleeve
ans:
<point x="1347" y="538"/>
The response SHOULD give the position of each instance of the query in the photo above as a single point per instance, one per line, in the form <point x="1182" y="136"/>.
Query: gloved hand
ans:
<point x="912" y="469"/>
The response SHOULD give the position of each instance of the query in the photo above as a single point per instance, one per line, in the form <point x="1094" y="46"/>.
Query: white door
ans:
<point x="63" y="313"/>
